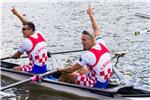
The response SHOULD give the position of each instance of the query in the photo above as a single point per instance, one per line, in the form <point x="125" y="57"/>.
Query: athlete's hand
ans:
<point x="36" y="78"/>
<point x="90" y="11"/>
<point x="14" y="11"/>
<point x="60" y="69"/>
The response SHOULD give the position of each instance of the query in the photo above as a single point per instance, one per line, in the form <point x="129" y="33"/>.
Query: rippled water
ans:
<point x="63" y="22"/>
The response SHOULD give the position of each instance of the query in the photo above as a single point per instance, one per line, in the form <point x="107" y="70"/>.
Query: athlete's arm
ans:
<point x="15" y="12"/>
<point x="17" y="55"/>
<point x="26" y="45"/>
<point x="70" y="69"/>
<point x="93" y="22"/>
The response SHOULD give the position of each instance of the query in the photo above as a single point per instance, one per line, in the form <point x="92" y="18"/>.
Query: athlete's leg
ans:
<point x="23" y="68"/>
<point x="71" y="77"/>
<point x="63" y="78"/>
<point x="17" y="68"/>
<point x="85" y="80"/>
<point x="68" y="77"/>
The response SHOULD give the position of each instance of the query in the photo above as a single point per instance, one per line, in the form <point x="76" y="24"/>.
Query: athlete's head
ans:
<point x="28" y="29"/>
<point x="87" y="40"/>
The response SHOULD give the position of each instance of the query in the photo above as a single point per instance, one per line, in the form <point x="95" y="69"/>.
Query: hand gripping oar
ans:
<point x="26" y="80"/>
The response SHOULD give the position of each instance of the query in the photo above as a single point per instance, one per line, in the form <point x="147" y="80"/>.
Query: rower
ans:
<point x="34" y="44"/>
<point x="97" y="59"/>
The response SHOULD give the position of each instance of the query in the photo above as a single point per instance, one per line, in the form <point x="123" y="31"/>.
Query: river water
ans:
<point x="62" y="24"/>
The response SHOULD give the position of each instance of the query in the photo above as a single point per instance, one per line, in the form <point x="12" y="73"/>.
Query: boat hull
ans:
<point x="105" y="94"/>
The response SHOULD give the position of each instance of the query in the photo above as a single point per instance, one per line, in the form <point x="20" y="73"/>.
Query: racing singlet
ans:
<point x="38" y="54"/>
<point x="102" y="69"/>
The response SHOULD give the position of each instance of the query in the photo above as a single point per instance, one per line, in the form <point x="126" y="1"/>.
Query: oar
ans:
<point x="26" y="80"/>
<point x="12" y="58"/>
<point x="5" y="58"/>
<point x="48" y="53"/>
<point x="65" y="52"/>
<point x="119" y="75"/>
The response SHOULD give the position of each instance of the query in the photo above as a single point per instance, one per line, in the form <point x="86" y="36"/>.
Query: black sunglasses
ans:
<point x="23" y="29"/>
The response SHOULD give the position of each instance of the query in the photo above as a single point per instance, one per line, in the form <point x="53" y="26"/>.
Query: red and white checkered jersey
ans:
<point x="35" y="46"/>
<point x="98" y="60"/>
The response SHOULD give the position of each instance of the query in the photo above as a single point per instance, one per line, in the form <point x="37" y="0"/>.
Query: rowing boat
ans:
<point x="123" y="92"/>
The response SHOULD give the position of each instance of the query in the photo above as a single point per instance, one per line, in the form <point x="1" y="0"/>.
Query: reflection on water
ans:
<point x="62" y="24"/>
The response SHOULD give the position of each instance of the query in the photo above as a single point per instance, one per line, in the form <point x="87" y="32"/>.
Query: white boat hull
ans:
<point x="62" y="88"/>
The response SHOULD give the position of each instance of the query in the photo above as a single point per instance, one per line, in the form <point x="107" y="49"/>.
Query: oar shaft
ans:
<point x="12" y="58"/>
<point x="119" y="75"/>
<point x="15" y="84"/>
<point x="5" y="58"/>
<point x="49" y="54"/>
<point x="65" y="52"/>
<point x="48" y="73"/>
<point x="26" y="80"/>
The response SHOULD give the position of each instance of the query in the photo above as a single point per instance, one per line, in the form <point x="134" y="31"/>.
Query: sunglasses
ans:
<point x="23" y="29"/>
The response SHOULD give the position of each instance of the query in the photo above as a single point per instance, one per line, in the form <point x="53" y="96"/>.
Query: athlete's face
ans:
<point x="26" y="31"/>
<point x="87" y="41"/>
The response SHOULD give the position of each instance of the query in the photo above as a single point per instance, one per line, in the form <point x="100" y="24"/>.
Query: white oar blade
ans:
<point x="120" y="53"/>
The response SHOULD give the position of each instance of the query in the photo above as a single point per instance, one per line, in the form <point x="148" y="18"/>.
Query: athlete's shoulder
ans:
<point x="38" y="32"/>
<point x="25" y="45"/>
<point x="99" y="39"/>
<point x="87" y="55"/>
<point x="85" y="58"/>
<point x="41" y="33"/>
<point x="26" y="41"/>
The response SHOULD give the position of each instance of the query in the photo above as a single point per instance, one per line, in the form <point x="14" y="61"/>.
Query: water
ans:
<point x="62" y="24"/>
